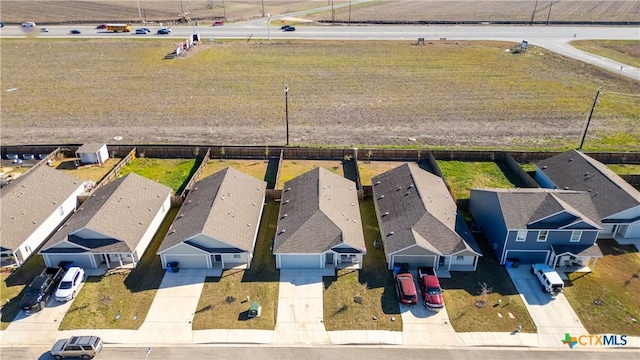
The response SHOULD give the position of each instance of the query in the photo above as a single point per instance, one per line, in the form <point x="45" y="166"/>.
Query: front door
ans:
<point x="328" y="258"/>
<point x="217" y="258"/>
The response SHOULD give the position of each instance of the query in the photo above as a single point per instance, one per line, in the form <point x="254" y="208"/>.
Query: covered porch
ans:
<point x="575" y="258"/>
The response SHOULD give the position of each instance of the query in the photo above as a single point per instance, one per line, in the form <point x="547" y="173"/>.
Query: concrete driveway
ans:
<point x="300" y="312"/>
<point x="421" y="326"/>
<point x="40" y="327"/>
<point x="553" y="316"/>
<point x="174" y="305"/>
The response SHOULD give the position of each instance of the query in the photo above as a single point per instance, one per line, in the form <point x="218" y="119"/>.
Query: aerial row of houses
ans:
<point x="319" y="223"/>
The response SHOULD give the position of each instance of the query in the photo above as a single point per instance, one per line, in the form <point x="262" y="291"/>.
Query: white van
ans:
<point x="549" y="279"/>
<point x="69" y="284"/>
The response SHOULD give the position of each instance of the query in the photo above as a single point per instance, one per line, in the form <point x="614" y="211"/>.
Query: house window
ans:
<point x="459" y="258"/>
<point x="576" y="235"/>
<point x="542" y="235"/>
<point x="61" y="211"/>
<point x="236" y="256"/>
<point x="522" y="235"/>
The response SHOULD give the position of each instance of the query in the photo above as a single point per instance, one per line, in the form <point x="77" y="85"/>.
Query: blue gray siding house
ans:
<point x="554" y="227"/>
<point x="617" y="202"/>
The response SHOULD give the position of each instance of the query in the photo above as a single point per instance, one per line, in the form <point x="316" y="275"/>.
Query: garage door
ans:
<point x="415" y="261"/>
<point x="83" y="261"/>
<point x="196" y="261"/>
<point x="300" y="261"/>
<point x="528" y="257"/>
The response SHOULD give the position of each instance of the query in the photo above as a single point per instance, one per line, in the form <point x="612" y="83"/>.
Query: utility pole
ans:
<point x="549" y="15"/>
<point x="533" y="14"/>
<point x="593" y="106"/>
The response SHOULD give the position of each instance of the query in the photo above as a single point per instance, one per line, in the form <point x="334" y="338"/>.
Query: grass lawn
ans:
<point x="260" y="283"/>
<point x="375" y="168"/>
<point x="624" y="51"/>
<point x="292" y="168"/>
<point x="342" y="92"/>
<point x="129" y="294"/>
<point x="373" y="285"/>
<point x="625" y="169"/>
<point x="12" y="286"/>
<point x="174" y="173"/>
<point x="462" y="291"/>
<point x="615" y="281"/>
<point x="255" y="168"/>
<point x="462" y="176"/>
<point x="87" y="172"/>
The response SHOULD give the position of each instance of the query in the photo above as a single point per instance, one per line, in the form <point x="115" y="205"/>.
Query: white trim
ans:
<point x="410" y="246"/>
<point x="182" y="243"/>
<point x="546" y="236"/>
<point x="574" y="232"/>
<point x="504" y="248"/>
<point x="518" y="233"/>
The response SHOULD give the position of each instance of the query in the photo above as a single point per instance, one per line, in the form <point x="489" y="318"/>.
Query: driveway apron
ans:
<point x="37" y="328"/>
<point x="171" y="313"/>
<point x="554" y="317"/>
<point x="300" y="313"/>
<point x="421" y="326"/>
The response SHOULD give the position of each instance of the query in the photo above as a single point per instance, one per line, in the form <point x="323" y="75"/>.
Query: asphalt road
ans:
<point x="329" y="353"/>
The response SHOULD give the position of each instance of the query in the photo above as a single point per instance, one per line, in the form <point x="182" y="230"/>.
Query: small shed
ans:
<point x="93" y="153"/>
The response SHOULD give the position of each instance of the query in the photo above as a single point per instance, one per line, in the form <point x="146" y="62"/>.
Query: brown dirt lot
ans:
<point x="50" y="12"/>
<point x="447" y="93"/>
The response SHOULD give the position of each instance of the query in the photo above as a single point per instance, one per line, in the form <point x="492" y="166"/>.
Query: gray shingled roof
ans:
<point x="29" y="200"/>
<point x="90" y="148"/>
<point x="527" y="208"/>
<point x="416" y="206"/>
<point x="225" y="206"/>
<point x="319" y="210"/>
<point x="574" y="170"/>
<point x="120" y="212"/>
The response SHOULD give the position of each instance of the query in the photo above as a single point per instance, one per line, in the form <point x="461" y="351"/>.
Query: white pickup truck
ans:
<point x="549" y="279"/>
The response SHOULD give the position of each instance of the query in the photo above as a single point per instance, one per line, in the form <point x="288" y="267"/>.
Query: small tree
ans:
<point x="369" y="153"/>
<point x="222" y="152"/>
<point x="484" y="292"/>
<point x="266" y="153"/>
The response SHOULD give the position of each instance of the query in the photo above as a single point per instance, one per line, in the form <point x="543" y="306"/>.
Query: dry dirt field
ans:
<point x="444" y="94"/>
<point x="94" y="11"/>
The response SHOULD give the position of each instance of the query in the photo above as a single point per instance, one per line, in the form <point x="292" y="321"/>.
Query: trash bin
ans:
<point x="173" y="267"/>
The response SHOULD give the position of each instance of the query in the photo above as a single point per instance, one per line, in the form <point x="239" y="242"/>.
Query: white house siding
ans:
<point x="208" y="242"/>
<point x="230" y="260"/>
<point x="466" y="260"/>
<point x="629" y="231"/>
<point x="299" y="261"/>
<point x="153" y="227"/>
<point x="38" y="237"/>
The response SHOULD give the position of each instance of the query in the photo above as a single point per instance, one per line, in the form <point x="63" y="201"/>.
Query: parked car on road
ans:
<point x="44" y="30"/>
<point x="287" y="28"/>
<point x="406" y="289"/>
<point x="141" y="32"/>
<point x="101" y="26"/>
<point x="69" y="284"/>
<point x="75" y="32"/>
<point x="164" y="31"/>
<point x="29" y="24"/>
<point x="84" y="347"/>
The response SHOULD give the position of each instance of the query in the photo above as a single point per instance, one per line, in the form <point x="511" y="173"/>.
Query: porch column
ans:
<point x="249" y="258"/>
<point x="222" y="261"/>
<point x="120" y="260"/>
<point x="475" y="263"/>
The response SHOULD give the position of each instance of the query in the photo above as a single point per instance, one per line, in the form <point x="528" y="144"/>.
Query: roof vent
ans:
<point x="284" y="216"/>
<point x="287" y="189"/>
<point x="544" y="167"/>
<point x="407" y="193"/>
<point x="324" y="187"/>
<point x="385" y="213"/>
<point x="282" y="231"/>
<point x="221" y="197"/>
<point x="377" y="183"/>
<point x="180" y="216"/>
<point x="399" y="188"/>
<point x="381" y="197"/>
<point x="286" y="201"/>
<point x="391" y="233"/>
<point x="171" y="232"/>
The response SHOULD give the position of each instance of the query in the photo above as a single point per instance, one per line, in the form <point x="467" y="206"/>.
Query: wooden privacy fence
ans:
<point x="113" y="173"/>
